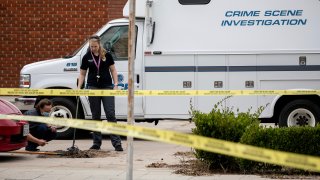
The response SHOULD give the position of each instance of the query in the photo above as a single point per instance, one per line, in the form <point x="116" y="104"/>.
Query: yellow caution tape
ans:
<point x="299" y="161"/>
<point x="86" y="92"/>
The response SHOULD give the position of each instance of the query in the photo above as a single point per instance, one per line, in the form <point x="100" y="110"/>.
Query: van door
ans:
<point x="242" y="75"/>
<point x="169" y="72"/>
<point x="115" y="40"/>
<point x="210" y="75"/>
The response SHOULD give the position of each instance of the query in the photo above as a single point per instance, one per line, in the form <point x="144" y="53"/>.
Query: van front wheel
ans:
<point x="63" y="108"/>
<point x="299" y="112"/>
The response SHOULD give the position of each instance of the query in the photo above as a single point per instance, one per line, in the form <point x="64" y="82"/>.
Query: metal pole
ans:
<point x="131" y="54"/>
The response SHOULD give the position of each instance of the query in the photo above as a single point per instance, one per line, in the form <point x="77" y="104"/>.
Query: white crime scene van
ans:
<point x="203" y="45"/>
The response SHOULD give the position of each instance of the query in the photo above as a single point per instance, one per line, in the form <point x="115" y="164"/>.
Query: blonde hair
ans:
<point x="102" y="51"/>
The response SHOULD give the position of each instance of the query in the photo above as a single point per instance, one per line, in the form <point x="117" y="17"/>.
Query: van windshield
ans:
<point x="76" y="51"/>
<point x="114" y="40"/>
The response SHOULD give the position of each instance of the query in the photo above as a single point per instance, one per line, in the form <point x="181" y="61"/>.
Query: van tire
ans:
<point x="299" y="112"/>
<point x="64" y="108"/>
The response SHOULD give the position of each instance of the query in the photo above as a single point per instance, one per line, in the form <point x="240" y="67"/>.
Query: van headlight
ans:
<point x="25" y="81"/>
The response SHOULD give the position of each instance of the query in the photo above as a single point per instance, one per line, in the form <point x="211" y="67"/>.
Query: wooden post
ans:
<point x="131" y="54"/>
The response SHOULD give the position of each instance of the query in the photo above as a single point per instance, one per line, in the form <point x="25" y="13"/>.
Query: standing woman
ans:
<point x="100" y="65"/>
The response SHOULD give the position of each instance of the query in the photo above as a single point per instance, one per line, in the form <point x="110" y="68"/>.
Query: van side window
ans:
<point x="194" y="2"/>
<point x="115" y="40"/>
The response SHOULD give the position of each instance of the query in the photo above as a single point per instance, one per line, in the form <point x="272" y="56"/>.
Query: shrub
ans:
<point x="222" y="124"/>
<point x="302" y="140"/>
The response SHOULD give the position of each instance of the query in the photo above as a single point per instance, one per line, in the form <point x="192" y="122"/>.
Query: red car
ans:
<point x="13" y="134"/>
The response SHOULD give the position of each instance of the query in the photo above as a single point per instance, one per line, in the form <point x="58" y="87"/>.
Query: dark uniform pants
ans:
<point x="41" y="131"/>
<point x="108" y="105"/>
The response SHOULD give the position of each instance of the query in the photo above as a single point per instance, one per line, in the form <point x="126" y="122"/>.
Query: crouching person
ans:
<point x="40" y="133"/>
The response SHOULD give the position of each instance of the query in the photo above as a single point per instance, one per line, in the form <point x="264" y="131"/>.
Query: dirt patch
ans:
<point x="157" y="165"/>
<point x="188" y="154"/>
<point x="79" y="154"/>
<point x="190" y="166"/>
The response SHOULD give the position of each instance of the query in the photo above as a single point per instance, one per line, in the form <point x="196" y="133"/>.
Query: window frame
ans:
<point x="115" y="58"/>
<point x="194" y="2"/>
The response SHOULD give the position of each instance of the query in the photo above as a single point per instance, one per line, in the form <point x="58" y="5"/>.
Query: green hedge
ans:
<point x="221" y="124"/>
<point x="302" y="140"/>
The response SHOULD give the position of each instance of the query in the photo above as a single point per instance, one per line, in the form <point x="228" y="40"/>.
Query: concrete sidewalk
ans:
<point x="20" y="166"/>
<point x="25" y="166"/>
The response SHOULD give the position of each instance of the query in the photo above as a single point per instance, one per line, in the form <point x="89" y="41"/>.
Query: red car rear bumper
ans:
<point x="12" y="135"/>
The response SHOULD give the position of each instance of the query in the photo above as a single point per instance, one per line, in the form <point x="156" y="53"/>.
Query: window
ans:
<point x="115" y="40"/>
<point x="194" y="2"/>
